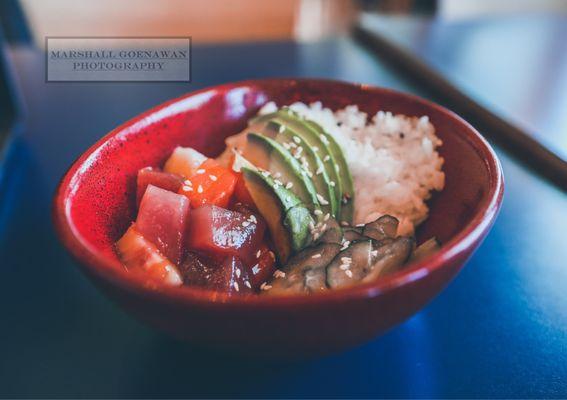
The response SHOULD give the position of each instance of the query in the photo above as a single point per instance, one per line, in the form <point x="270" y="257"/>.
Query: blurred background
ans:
<point x="241" y="20"/>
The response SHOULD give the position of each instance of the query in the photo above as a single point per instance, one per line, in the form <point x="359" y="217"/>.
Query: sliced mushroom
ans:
<point x="389" y="256"/>
<point x="384" y="227"/>
<point x="333" y="233"/>
<point x="305" y="272"/>
<point x="353" y="234"/>
<point x="350" y="265"/>
<point x="425" y="249"/>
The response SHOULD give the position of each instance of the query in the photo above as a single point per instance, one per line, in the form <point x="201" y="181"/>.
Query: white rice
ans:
<point x="392" y="158"/>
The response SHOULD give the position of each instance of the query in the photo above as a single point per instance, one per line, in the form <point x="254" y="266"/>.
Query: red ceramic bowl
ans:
<point x="95" y="203"/>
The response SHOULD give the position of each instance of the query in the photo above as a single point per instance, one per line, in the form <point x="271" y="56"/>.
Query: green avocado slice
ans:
<point x="269" y="155"/>
<point x="287" y="117"/>
<point x="342" y="169"/>
<point x="295" y="143"/>
<point x="288" y="220"/>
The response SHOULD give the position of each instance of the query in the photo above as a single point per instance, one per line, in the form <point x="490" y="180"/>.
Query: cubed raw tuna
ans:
<point x="241" y="194"/>
<point x="162" y="219"/>
<point x="139" y="255"/>
<point x="153" y="176"/>
<point x="263" y="267"/>
<point x="231" y="277"/>
<point x="218" y="233"/>
<point x="197" y="270"/>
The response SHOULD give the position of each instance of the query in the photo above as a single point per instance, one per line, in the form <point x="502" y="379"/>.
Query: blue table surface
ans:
<point x="498" y="330"/>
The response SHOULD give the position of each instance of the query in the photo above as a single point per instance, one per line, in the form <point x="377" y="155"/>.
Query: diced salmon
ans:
<point x="211" y="184"/>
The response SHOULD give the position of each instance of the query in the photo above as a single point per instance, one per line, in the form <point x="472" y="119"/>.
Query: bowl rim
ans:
<point x="114" y="272"/>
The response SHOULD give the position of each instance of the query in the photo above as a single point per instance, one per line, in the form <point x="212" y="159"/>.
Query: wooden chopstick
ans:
<point x="519" y="143"/>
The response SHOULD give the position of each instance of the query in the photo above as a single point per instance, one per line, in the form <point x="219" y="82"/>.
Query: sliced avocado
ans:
<point x="292" y="120"/>
<point x="294" y="142"/>
<point x="341" y="166"/>
<point x="288" y="219"/>
<point x="269" y="155"/>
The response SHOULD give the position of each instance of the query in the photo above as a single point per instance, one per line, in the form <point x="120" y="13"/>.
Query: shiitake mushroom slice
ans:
<point x="384" y="227"/>
<point x="305" y="272"/>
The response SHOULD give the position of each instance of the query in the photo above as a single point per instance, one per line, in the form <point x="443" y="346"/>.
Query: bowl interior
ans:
<point x="99" y="190"/>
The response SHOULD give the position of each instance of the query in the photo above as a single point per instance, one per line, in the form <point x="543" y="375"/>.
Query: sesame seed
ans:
<point x="374" y="253"/>
<point x="278" y="182"/>
<point x="337" y="168"/>
<point x="255" y="269"/>
<point x="348" y="273"/>
<point x="281" y="129"/>
<point x="332" y="183"/>
<point x="311" y="226"/>
<point x="309" y="174"/>
<point x="200" y="171"/>
<point x="359" y="225"/>
<point x="286" y="146"/>
<point x="327" y="216"/>
<point x="326" y="158"/>
<point x="315" y="148"/>
<point x="236" y="286"/>
<point x="318" y="255"/>
<point x="318" y="212"/>
<point x="245" y="223"/>
<point x="289" y="185"/>
<point x="322" y="200"/>
<point x="187" y="182"/>
<point x="200" y="189"/>
<point x="319" y="170"/>
<point x="296" y="139"/>
<point x="344" y="267"/>
<point x="272" y="255"/>
<point x="265" y="286"/>
<point x="238" y="272"/>
<point x="213" y="178"/>
<point x="252" y="218"/>
<point x="187" y="188"/>
<point x="324" y="138"/>
<point x="324" y="227"/>
<point x="248" y="284"/>
<point x="346" y="260"/>
<point x="344" y="223"/>
<point x="258" y="253"/>
<point x="265" y="174"/>
<point x="277" y="175"/>
<point x="279" y="274"/>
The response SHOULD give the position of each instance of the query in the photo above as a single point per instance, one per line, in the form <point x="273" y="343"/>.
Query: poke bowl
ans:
<point x="227" y="218"/>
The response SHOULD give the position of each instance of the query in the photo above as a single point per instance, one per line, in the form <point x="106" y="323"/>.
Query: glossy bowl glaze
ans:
<point x="95" y="203"/>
